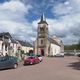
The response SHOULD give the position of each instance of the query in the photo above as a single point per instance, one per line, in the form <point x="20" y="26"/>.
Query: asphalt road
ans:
<point x="67" y="68"/>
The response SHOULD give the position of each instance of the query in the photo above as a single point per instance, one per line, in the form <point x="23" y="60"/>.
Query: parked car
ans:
<point x="28" y="55"/>
<point x="8" y="62"/>
<point x="69" y="54"/>
<point x="40" y="57"/>
<point x="31" y="60"/>
<point x="78" y="55"/>
<point x="59" y="55"/>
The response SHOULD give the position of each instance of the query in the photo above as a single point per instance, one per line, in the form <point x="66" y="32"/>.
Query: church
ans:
<point x="44" y="44"/>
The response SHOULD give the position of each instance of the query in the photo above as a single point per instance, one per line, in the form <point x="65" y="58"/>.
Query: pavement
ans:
<point x="67" y="68"/>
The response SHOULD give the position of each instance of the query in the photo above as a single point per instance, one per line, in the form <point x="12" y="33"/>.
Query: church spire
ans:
<point x="43" y="19"/>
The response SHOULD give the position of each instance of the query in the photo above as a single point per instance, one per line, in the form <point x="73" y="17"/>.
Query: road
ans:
<point x="50" y="69"/>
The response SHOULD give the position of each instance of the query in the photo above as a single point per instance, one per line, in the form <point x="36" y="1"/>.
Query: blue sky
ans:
<point x="20" y="18"/>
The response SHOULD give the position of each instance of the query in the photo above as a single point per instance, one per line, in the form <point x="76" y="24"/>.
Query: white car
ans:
<point x="59" y="55"/>
<point x="40" y="57"/>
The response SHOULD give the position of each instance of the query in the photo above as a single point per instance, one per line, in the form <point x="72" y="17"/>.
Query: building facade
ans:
<point x="11" y="46"/>
<point x="44" y="44"/>
<point x="7" y="44"/>
<point x="25" y="46"/>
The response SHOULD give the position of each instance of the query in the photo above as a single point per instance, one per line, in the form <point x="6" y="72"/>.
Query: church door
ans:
<point x="42" y="52"/>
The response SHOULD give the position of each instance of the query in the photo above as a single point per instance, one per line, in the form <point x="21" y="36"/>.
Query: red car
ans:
<point x="31" y="60"/>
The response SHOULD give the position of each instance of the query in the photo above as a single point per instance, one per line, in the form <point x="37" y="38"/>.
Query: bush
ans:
<point x="22" y="52"/>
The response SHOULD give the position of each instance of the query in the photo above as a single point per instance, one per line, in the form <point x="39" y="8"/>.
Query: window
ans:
<point x="2" y="46"/>
<point x="42" y="29"/>
<point x="41" y="41"/>
<point x="6" y="47"/>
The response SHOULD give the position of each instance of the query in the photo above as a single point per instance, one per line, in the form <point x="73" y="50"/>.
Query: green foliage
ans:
<point x="22" y="52"/>
<point x="72" y="47"/>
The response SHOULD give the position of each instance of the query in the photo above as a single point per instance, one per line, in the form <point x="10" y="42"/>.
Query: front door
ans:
<point x="42" y="52"/>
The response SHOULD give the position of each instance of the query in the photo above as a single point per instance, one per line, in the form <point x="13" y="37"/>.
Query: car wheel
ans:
<point x="41" y="60"/>
<point x="31" y="63"/>
<point x="15" y="66"/>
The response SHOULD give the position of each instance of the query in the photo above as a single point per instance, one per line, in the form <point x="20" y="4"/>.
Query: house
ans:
<point x="7" y="44"/>
<point x="25" y="46"/>
<point x="13" y="47"/>
<point x="45" y="45"/>
<point x="4" y="42"/>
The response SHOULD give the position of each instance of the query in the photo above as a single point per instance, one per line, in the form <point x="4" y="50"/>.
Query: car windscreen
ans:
<point x="31" y="57"/>
<point x="3" y="59"/>
<point x="39" y="55"/>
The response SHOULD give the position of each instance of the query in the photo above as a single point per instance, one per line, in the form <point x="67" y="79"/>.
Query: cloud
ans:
<point x="67" y="24"/>
<point x="12" y="18"/>
<point x="62" y="9"/>
<point x="39" y="6"/>
<point x="55" y="27"/>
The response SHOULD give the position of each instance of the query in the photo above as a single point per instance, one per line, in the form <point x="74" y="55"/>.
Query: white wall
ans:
<point x="54" y="49"/>
<point x="26" y="49"/>
<point x="1" y="46"/>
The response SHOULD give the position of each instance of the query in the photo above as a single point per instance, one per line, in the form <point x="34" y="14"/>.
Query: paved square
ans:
<point x="50" y="69"/>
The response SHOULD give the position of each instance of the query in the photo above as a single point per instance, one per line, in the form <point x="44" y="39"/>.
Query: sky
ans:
<point x="20" y="18"/>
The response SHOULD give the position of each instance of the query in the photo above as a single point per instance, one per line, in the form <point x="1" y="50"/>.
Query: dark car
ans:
<point x="8" y="62"/>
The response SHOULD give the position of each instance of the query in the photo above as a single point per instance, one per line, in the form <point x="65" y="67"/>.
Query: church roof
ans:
<point x="43" y="20"/>
<point x="53" y="41"/>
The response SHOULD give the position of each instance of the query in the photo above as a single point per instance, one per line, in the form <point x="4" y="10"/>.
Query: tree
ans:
<point x="78" y="46"/>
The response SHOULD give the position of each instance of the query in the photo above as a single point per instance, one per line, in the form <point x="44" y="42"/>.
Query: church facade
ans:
<point x="45" y="45"/>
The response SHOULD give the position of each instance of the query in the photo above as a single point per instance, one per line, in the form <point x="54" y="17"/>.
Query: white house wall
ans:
<point x="26" y="49"/>
<point x="15" y="48"/>
<point x="1" y="46"/>
<point x="54" y="49"/>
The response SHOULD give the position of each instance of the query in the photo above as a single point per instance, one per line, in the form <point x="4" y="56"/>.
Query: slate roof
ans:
<point x="5" y="34"/>
<point x="0" y="38"/>
<point x="13" y="40"/>
<point x="53" y="41"/>
<point x="24" y="43"/>
<point x="42" y="20"/>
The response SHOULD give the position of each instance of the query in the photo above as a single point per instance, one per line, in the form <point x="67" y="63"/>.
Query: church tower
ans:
<point x="42" y="34"/>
